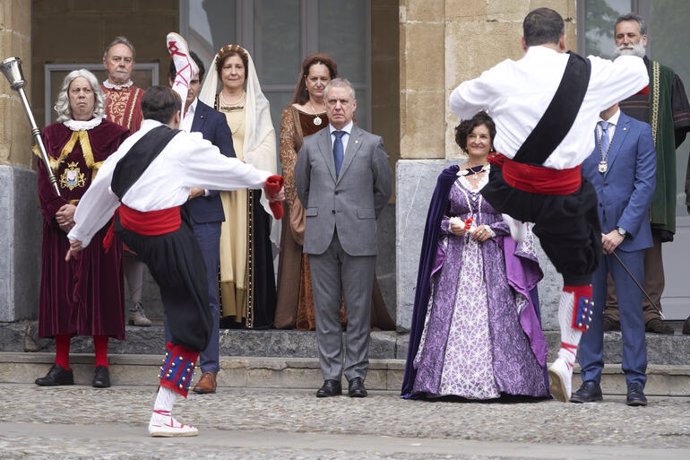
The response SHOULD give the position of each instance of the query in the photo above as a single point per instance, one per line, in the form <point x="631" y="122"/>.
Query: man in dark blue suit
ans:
<point x="622" y="169"/>
<point x="204" y="212"/>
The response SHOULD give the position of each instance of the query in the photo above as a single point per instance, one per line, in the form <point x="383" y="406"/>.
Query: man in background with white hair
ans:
<point x="664" y="105"/>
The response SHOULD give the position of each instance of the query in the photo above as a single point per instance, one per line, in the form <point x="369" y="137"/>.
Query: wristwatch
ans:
<point x="622" y="232"/>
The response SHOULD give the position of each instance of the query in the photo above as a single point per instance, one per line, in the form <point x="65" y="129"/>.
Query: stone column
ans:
<point x="20" y="224"/>
<point x="442" y="43"/>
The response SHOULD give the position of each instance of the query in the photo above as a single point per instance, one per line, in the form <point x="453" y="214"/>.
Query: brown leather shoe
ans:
<point x="657" y="326"/>
<point x="206" y="384"/>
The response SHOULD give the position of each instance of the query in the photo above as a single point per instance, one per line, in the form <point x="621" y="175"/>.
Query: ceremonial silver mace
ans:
<point x="12" y="69"/>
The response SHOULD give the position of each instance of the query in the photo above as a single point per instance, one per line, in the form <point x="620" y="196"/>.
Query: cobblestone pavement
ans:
<point x="84" y="422"/>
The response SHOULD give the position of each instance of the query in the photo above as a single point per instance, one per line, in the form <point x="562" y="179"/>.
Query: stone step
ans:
<point x="22" y="336"/>
<point x="289" y="373"/>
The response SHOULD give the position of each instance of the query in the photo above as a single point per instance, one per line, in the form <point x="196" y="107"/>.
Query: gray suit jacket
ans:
<point x="349" y="204"/>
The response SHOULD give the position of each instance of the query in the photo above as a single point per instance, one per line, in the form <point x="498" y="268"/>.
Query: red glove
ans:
<point x="273" y="186"/>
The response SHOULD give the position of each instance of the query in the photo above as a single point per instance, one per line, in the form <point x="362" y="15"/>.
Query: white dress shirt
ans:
<point x="187" y="161"/>
<point x="613" y="122"/>
<point x="346" y="139"/>
<point x="186" y="123"/>
<point x="517" y="93"/>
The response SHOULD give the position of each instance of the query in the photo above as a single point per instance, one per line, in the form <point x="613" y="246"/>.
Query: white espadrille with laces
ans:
<point x="164" y="425"/>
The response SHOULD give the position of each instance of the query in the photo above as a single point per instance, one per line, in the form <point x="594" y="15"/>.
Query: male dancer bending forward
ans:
<point x="546" y="106"/>
<point x="144" y="183"/>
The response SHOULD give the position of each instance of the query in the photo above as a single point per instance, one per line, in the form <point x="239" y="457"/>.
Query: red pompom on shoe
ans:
<point x="273" y="186"/>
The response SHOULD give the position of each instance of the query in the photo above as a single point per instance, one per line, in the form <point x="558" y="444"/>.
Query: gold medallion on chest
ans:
<point x="72" y="177"/>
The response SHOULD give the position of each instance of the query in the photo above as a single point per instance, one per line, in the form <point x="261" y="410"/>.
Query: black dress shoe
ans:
<point x="329" y="388"/>
<point x="590" y="391"/>
<point x="101" y="378"/>
<point x="635" y="396"/>
<point x="57" y="375"/>
<point x="657" y="326"/>
<point x="356" y="388"/>
<point x="686" y="326"/>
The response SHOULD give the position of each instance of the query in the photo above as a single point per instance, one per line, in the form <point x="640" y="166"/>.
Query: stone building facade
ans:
<point x="420" y="50"/>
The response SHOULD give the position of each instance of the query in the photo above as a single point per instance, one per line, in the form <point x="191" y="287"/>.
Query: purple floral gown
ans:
<point x="473" y="345"/>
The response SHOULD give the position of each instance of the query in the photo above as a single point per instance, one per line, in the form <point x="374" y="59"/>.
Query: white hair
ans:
<point x="64" y="111"/>
<point x="340" y="83"/>
<point x="637" y="49"/>
<point x="120" y="41"/>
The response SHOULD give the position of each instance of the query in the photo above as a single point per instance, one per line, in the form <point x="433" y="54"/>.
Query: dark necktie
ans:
<point x="604" y="141"/>
<point x="338" y="151"/>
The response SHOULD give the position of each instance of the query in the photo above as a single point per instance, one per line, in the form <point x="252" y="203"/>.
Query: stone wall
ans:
<point x="15" y="40"/>
<point x="20" y="225"/>
<point x="445" y="42"/>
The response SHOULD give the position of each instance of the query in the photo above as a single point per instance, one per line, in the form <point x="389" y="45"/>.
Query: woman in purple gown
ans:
<point x="475" y="331"/>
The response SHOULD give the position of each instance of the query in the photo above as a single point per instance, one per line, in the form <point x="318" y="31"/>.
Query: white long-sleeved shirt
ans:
<point x="517" y="93"/>
<point x="187" y="161"/>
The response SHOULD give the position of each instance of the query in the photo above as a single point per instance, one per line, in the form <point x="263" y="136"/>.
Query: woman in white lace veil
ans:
<point x="247" y="275"/>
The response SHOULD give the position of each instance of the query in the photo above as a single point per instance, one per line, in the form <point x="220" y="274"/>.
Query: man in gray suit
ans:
<point x="344" y="180"/>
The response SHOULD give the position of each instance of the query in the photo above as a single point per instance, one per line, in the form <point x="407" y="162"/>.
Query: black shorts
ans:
<point x="175" y="262"/>
<point x="567" y="225"/>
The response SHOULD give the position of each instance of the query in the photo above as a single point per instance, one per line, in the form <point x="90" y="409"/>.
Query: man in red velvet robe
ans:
<point x="84" y="296"/>
<point x="123" y="106"/>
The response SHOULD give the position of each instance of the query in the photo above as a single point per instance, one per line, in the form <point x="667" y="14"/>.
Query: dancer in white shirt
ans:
<point x="144" y="184"/>
<point x="545" y="107"/>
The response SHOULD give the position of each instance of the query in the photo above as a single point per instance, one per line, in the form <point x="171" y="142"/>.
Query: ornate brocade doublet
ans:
<point x="123" y="106"/>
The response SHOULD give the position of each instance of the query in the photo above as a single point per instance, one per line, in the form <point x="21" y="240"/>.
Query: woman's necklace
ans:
<point x="473" y="175"/>
<point x="474" y="170"/>
<point x="231" y="106"/>
<point x="317" y="120"/>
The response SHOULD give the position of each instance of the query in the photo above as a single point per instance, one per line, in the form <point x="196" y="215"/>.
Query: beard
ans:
<point x="631" y="50"/>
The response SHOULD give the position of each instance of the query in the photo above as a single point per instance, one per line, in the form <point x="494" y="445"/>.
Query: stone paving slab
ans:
<point x="84" y="422"/>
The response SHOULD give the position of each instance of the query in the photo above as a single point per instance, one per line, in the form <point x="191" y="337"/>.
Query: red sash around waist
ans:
<point x="150" y="223"/>
<point x="538" y="179"/>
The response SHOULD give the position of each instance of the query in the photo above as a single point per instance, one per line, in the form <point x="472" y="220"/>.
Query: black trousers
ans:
<point x="567" y="225"/>
<point x="176" y="263"/>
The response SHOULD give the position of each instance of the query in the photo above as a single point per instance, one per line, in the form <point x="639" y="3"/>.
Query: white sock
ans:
<point x="570" y="338"/>
<point x="162" y="408"/>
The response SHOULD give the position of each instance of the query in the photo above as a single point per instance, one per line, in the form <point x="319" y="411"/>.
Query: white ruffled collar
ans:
<point x="79" y="125"/>
<point x="109" y="85"/>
